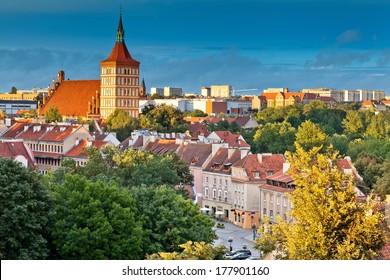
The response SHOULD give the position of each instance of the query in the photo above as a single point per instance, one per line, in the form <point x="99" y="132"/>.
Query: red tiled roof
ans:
<point x="121" y="54"/>
<point x="232" y="139"/>
<point x="275" y="188"/>
<point x="262" y="164"/>
<point x="72" y="97"/>
<point x="197" y="128"/>
<point x="385" y="252"/>
<point x="281" y="177"/>
<point x="15" y="149"/>
<point x="195" y="154"/>
<point x="79" y="150"/>
<point x="162" y="146"/>
<point x="13" y="131"/>
<point x="346" y="163"/>
<point x="59" y="133"/>
<point x="221" y="162"/>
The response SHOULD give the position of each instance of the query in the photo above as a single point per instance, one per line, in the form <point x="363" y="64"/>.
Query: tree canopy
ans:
<point x="25" y="213"/>
<point x="95" y="221"/>
<point x="53" y="115"/>
<point x="329" y="223"/>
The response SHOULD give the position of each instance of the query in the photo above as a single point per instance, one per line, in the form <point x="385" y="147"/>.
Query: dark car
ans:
<point x="233" y="253"/>
<point x="240" y="256"/>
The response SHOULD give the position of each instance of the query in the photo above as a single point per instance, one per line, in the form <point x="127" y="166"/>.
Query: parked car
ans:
<point x="240" y="256"/>
<point x="235" y="252"/>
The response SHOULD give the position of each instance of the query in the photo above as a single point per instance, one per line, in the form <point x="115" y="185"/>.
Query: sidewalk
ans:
<point x="240" y="237"/>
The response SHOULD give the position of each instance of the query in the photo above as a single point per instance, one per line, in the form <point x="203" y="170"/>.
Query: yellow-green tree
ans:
<point x="310" y="135"/>
<point x="192" y="251"/>
<point x="328" y="221"/>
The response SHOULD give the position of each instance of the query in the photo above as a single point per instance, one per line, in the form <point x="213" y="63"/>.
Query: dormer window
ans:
<point x="216" y="165"/>
<point x="256" y="174"/>
<point x="226" y="166"/>
<point x="269" y="173"/>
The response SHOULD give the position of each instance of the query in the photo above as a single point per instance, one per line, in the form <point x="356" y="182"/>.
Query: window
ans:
<point x="214" y="193"/>
<point x="226" y="182"/>
<point x="284" y="202"/>
<point x="220" y="181"/>
<point x="206" y="192"/>
<point x="271" y="214"/>
<point x="219" y="194"/>
<point x="215" y="181"/>
<point x="278" y="199"/>
<point x="207" y="179"/>
<point x="265" y="212"/>
<point x="284" y="217"/>
<point x="226" y="195"/>
<point x="271" y="198"/>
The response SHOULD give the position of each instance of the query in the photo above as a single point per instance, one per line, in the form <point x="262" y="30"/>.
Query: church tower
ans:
<point x="119" y="75"/>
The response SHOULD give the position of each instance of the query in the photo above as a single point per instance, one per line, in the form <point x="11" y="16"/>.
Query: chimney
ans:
<point x="25" y="128"/>
<point x="61" y="76"/>
<point x="285" y="90"/>
<point x="53" y="84"/>
<point x="260" y="157"/>
<point x="89" y="143"/>
<point x="286" y="166"/>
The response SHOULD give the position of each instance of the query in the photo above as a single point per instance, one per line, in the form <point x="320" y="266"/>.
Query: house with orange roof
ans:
<point x="247" y="174"/>
<point x="18" y="151"/>
<point x="233" y="140"/>
<point x="274" y="192"/>
<point x="117" y="88"/>
<point x="217" y="191"/>
<point x="79" y="151"/>
<point x="48" y="142"/>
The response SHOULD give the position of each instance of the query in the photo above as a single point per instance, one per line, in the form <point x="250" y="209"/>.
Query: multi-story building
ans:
<point x="217" y="191"/>
<point x="118" y="87"/>
<point x="197" y="156"/>
<point x="173" y="91"/>
<point x="49" y="143"/>
<point x="275" y="191"/>
<point x="221" y="91"/>
<point x="247" y="174"/>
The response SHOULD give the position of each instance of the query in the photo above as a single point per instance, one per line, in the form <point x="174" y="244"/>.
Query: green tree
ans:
<point x="169" y="220"/>
<point x="329" y="223"/>
<point x="382" y="184"/>
<point x="317" y="104"/>
<point x="339" y="143"/>
<point x="13" y="90"/>
<point x="164" y="118"/>
<point x="25" y="213"/>
<point x="378" y="127"/>
<point x="353" y="123"/>
<point x="95" y="221"/>
<point x="380" y="148"/>
<point x="310" y="135"/>
<point x="53" y="115"/>
<point x="121" y="123"/>
<point x="274" y="138"/>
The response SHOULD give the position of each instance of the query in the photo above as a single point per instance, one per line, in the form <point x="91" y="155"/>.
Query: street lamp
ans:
<point x="230" y="240"/>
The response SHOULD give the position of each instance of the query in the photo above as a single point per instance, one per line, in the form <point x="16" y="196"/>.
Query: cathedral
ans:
<point x="119" y="87"/>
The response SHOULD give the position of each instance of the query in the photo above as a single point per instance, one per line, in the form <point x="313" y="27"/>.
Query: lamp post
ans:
<point x="230" y="240"/>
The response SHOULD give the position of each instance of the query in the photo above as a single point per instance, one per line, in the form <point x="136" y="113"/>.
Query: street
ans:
<point x="240" y="237"/>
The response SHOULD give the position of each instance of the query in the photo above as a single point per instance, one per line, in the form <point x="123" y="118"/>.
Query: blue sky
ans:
<point x="193" y="43"/>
